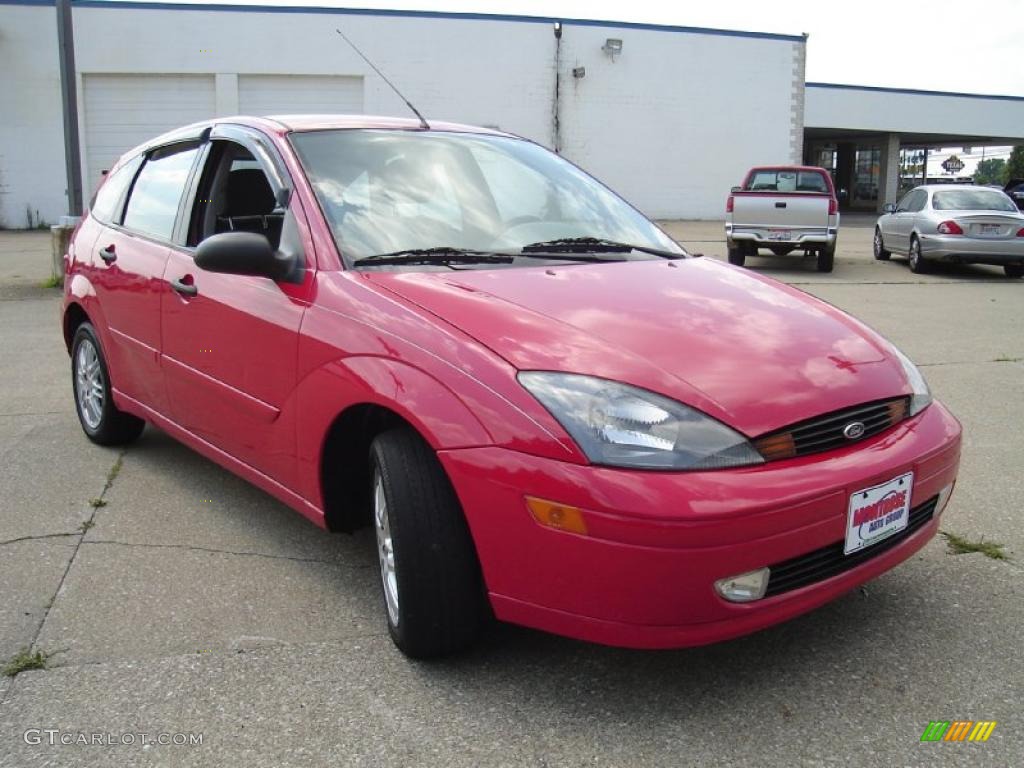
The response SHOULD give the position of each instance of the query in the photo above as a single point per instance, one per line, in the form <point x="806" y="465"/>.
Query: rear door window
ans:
<point x="153" y="203"/>
<point x="106" y="205"/>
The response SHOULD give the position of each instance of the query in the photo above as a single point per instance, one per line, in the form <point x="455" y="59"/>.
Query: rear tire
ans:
<point x="433" y="590"/>
<point x="826" y="258"/>
<point x="879" y="247"/>
<point x="737" y="255"/>
<point x="101" y="420"/>
<point x="1014" y="270"/>
<point x="915" y="258"/>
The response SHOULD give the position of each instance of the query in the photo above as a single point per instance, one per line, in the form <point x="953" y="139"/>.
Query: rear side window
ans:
<point x="781" y="180"/>
<point x="106" y="205"/>
<point x="153" y="202"/>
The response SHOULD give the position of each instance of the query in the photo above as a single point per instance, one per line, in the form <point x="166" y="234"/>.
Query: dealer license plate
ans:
<point x="779" y="234"/>
<point x="989" y="229"/>
<point x="878" y="512"/>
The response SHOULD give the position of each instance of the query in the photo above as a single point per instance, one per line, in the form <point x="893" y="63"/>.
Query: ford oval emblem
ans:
<point x="853" y="430"/>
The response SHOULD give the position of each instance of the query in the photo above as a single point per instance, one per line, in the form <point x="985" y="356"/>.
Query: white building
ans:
<point x="671" y="120"/>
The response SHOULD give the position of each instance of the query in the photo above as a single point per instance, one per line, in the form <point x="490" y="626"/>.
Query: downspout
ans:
<point x="556" y="128"/>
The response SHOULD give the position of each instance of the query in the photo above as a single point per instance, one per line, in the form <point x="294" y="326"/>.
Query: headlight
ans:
<point x="623" y="426"/>
<point x="922" y="396"/>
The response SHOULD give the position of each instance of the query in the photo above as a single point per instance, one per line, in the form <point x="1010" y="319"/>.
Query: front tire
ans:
<point x="879" y="247"/>
<point x="1014" y="270"/>
<point x="101" y="420"/>
<point x="430" y="575"/>
<point x="916" y="260"/>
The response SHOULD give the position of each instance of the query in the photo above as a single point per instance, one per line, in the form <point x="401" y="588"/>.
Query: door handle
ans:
<point x="780" y="205"/>
<point x="108" y="255"/>
<point x="185" y="288"/>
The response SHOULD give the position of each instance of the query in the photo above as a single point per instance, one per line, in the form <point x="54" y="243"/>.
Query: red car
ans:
<point x="545" y="407"/>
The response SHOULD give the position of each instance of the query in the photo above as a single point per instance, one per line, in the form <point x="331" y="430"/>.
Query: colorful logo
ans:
<point x="958" y="730"/>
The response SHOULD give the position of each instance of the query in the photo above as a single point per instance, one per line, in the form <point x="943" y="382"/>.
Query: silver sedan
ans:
<point x="959" y="223"/>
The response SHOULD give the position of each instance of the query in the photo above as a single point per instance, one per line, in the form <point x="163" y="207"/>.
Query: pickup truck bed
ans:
<point x="783" y="209"/>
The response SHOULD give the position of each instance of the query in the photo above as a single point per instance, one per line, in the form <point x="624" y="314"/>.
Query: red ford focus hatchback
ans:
<point x="544" y="406"/>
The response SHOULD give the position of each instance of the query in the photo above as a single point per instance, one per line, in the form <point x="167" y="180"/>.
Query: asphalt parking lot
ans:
<point x="175" y="598"/>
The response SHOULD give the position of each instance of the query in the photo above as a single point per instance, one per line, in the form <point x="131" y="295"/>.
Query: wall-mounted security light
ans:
<point x="612" y="46"/>
<point x="579" y="72"/>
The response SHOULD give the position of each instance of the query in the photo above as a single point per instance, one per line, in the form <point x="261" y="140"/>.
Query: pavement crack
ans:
<point x="111" y="475"/>
<point x="239" y="553"/>
<point x="39" y="537"/>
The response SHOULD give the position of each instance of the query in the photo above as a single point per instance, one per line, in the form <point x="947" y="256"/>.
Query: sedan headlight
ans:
<point x="922" y="396"/>
<point x="623" y="426"/>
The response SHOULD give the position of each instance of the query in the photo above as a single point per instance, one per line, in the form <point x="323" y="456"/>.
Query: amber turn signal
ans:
<point x="553" y="515"/>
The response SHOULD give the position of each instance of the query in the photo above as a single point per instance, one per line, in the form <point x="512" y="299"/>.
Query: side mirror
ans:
<point x="737" y="189"/>
<point x="244" y="253"/>
<point x="889" y="208"/>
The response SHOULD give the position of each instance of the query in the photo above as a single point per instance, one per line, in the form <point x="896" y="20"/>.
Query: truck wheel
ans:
<point x="917" y="263"/>
<point x="737" y="255"/>
<point x="880" y="253"/>
<point x="433" y="590"/>
<point x="1014" y="270"/>
<point x="826" y="258"/>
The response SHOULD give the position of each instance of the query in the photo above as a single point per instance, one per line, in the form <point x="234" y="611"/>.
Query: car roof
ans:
<point x="284" y="124"/>
<point x="942" y="187"/>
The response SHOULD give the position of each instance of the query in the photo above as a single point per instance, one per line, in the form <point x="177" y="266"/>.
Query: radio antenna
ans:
<point x="423" y="122"/>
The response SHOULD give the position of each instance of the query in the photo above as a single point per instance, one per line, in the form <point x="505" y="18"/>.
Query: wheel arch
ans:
<point x="347" y="403"/>
<point x="74" y="316"/>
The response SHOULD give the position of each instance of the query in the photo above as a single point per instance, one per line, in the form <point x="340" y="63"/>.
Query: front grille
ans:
<point x="823" y="433"/>
<point x="830" y="561"/>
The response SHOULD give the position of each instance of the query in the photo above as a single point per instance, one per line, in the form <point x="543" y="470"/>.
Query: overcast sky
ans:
<point x="947" y="45"/>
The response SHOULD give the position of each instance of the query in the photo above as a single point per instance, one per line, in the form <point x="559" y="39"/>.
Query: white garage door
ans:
<point x="122" y="111"/>
<point x="299" y="94"/>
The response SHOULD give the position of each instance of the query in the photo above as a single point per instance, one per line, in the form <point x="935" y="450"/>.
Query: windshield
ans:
<point x="385" y="191"/>
<point x="972" y="200"/>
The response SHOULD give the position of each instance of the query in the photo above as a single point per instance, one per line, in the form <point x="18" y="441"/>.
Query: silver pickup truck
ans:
<point x="783" y="209"/>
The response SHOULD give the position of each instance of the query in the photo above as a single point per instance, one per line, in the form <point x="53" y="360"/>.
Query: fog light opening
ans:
<point x="744" y="588"/>
<point x="943" y="500"/>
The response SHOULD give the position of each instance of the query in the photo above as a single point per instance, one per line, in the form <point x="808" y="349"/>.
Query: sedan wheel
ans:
<point x="101" y="420"/>
<point x="385" y="549"/>
<point x="1014" y="270"/>
<point x="879" y="247"/>
<point x="917" y="263"/>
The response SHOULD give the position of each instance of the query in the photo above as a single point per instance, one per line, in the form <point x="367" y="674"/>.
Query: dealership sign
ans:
<point x="953" y="164"/>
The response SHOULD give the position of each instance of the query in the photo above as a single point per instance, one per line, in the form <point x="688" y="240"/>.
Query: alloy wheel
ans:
<point x="89" y="384"/>
<point x="385" y="549"/>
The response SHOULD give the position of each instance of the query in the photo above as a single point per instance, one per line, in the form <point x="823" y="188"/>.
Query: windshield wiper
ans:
<point x="442" y="254"/>
<point x="594" y="244"/>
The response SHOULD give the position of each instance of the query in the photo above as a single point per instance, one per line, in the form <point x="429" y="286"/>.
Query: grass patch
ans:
<point x="25" y="660"/>
<point x="97" y="503"/>
<point x="86" y="525"/>
<point x="958" y="545"/>
<point x="114" y="472"/>
<point x="54" y="281"/>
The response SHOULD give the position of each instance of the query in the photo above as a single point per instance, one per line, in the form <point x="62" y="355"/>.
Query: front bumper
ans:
<point x="973" y="250"/>
<point x="643" y="574"/>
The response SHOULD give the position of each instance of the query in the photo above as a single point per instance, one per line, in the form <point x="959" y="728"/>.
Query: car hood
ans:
<point x="747" y="350"/>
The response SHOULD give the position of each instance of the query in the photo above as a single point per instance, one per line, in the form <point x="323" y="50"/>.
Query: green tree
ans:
<point x="1015" y="167"/>
<point x="990" y="171"/>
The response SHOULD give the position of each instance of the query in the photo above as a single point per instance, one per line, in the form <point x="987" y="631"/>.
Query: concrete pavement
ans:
<point x="179" y="599"/>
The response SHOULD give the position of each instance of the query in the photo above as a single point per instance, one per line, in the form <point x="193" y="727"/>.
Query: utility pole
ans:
<point x="69" y="99"/>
